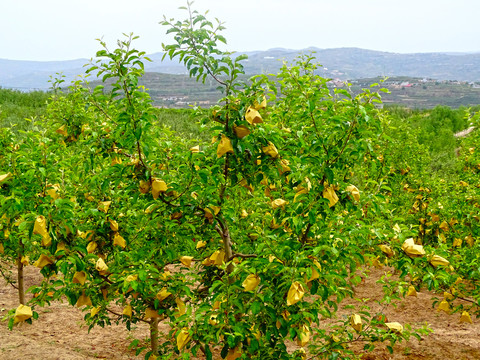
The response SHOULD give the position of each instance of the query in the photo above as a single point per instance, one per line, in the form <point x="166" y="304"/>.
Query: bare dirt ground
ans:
<point x="450" y="339"/>
<point x="60" y="333"/>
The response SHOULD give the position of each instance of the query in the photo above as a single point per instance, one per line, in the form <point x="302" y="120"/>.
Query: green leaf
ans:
<point x="241" y="57"/>
<point x="256" y="307"/>
<point x="208" y="352"/>
<point x="224" y="351"/>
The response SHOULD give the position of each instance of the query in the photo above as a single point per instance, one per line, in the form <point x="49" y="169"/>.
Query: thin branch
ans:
<point x="305" y="234"/>
<point x="197" y="51"/>
<point x="7" y="279"/>
<point x="121" y="315"/>
<point x="225" y="174"/>
<point x="468" y="300"/>
<point x="162" y="199"/>
<point x="243" y="256"/>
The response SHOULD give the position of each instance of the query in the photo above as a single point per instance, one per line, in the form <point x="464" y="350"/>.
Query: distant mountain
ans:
<point x="29" y="75"/>
<point x="341" y="63"/>
<point x="354" y="63"/>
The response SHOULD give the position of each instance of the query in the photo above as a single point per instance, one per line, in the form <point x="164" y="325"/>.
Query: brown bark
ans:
<point x="21" y="287"/>
<point x="154" y="335"/>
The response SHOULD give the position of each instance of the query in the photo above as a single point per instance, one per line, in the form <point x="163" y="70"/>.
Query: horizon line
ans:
<point x="314" y="48"/>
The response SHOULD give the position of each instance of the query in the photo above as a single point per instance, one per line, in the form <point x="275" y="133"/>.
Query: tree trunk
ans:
<point x="227" y="246"/>
<point x="21" y="290"/>
<point x="154" y="335"/>
<point x="227" y="243"/>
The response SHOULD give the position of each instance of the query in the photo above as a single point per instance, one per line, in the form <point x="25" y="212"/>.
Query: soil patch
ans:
<point x="61" y="334"/>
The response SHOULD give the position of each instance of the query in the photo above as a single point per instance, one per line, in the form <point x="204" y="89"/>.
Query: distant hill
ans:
<point x="180" y="91"/>
<point x="341" y="63"/>
<point x="32" y="75"/>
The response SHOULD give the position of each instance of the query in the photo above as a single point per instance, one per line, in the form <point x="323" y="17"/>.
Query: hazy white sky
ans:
<point x="67" y="29"/>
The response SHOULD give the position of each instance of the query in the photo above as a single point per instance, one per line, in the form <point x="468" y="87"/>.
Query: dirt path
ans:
<point x="465" y="132"/>
<point x="60" y="333"/>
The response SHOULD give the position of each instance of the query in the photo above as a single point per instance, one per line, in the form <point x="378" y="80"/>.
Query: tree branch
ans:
<point x="121" y="315"/>
<point x="243" y="256"/>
